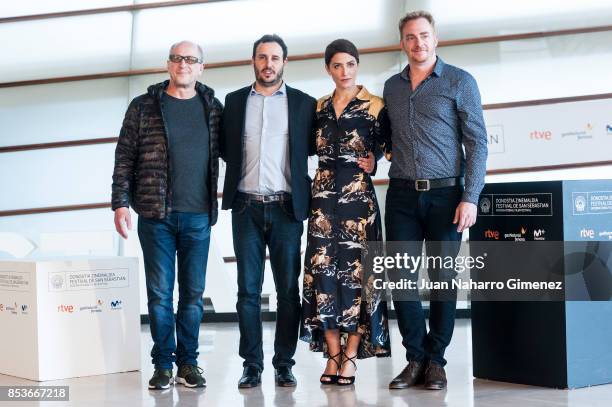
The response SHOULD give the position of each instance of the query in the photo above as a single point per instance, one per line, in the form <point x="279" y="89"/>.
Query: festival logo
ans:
<point x="580" y="203"/>
<point x="57" y="281"/>
<point x="485" y="205"/>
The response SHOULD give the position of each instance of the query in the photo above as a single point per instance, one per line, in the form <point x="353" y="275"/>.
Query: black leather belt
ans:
<point x="423" y="185"/>
<point x="281" y="196"/>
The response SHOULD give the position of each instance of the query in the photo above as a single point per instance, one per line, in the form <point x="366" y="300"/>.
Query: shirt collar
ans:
<point x="438" y="69"/>
<point x="363" y="95"/>
<point x="281" y="91"/>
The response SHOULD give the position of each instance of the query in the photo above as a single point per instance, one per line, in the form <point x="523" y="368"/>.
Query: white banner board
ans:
<point x="66" y="318"/>
<point x="551" y="134"/>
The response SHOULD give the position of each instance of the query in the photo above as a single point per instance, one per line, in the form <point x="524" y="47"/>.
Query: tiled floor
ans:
<point x="218" y="357"/>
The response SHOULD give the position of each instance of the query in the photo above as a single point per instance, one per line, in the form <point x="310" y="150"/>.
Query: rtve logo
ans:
<point x="541" y="135"/>
<point x="491" y="234"/>
<point x="590" y="233"/>
<point x="65" y="308"/>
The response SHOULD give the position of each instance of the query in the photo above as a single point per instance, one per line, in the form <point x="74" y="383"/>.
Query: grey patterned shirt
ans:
<point x="430" y="125"/>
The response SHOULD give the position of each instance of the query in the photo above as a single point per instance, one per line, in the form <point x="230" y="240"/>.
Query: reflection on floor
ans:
<point x="222" y="367"/>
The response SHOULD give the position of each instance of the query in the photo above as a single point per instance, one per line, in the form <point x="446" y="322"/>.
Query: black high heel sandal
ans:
<point x="348" y="380"/>
<point x="333" y="378"/>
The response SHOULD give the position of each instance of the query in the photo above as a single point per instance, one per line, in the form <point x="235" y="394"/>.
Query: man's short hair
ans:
<point x="413" y="15"/>
<point x="271" y="38"/>
<point x="340" y="45"/>
<point x="200" y="51"/>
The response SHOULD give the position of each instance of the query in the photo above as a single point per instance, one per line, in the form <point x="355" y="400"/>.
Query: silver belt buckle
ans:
<point x="418" y="185"/>
<point x="271" y="198"/>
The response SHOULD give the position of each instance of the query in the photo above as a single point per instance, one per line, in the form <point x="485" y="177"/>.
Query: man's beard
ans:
<point x="269" y="83"/>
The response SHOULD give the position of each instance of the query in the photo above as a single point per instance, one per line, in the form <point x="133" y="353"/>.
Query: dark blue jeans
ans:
<point x="186" y="237"/>
<point x="412" y="216"/>
<point x="256" y="225"/>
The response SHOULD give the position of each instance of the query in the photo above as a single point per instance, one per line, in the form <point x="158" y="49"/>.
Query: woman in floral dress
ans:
<point x="343" y="316"/>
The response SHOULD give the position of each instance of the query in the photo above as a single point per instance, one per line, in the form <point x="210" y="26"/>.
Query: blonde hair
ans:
<point x="413" y="15"/>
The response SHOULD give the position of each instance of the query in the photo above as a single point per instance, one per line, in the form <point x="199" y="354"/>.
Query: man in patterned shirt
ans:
<point x="435" y="113"/>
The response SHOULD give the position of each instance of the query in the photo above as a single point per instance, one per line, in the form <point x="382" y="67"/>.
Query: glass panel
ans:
<point x="539" y="68"/>
<point x="478" y="18"/>
<point x="65" y="46"/>
<point x="33" y="227"/>
<point x="29" y="7"/>
<point x="227" y="30"/>
<point x="166" y="1"/>
<point x="62" y="111"/>
<point x="56" y="177"/>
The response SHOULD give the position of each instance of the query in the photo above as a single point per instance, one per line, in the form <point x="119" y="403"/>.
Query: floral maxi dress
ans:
<point x="344" y="215"/>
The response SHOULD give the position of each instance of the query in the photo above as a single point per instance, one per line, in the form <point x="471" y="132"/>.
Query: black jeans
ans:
<point x="417" y="216"/>
<point x="256" y="225"/>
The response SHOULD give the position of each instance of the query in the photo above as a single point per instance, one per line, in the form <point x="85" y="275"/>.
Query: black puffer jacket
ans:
<point x="141" y="176"/>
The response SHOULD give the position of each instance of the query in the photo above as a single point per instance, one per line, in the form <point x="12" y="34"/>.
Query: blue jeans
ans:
<point x="256" y="225"/>
<point x="185" y="236"/>
<point x="412" y="216"/>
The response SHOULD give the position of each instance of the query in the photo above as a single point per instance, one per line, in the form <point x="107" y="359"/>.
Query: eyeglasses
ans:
<point x="188" y="59"/>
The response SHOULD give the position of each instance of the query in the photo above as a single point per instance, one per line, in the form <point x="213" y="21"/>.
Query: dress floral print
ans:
<point x="344" y="216"/>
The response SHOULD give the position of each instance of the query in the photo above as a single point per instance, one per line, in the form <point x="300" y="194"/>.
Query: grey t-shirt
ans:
<point x="189" y="153"/>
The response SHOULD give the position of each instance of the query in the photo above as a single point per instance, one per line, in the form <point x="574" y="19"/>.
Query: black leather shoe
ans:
<point x="435" y="377"/>
<point x="284" y="377"/>
<point x="251" y="377"/>
<point x="410" y="376"/>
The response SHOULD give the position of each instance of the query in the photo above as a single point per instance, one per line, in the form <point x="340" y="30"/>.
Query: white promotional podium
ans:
<point x="69" y="317"/>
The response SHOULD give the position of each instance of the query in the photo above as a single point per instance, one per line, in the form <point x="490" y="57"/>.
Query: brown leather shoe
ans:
<point x="435" y="377"/>
<point x="410" y="376"/>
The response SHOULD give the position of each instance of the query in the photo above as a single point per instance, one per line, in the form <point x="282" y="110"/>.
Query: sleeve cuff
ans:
<point x="470" y="197"/>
